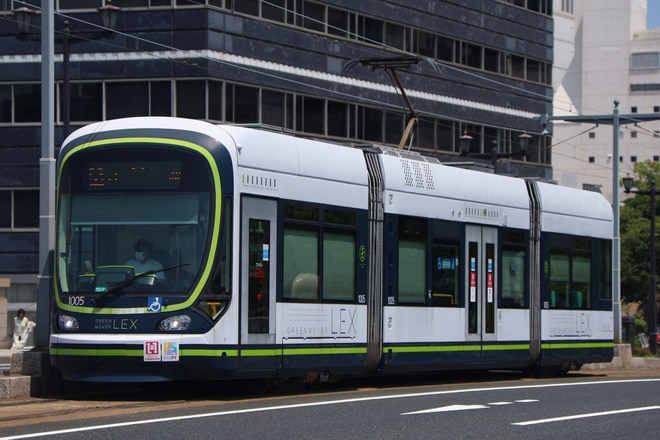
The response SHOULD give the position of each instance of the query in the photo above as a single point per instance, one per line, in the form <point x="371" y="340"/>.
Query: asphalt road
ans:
<point x="464" y="406"/>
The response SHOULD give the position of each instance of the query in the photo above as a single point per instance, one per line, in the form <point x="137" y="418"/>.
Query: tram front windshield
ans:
<point x="145" y="219"/>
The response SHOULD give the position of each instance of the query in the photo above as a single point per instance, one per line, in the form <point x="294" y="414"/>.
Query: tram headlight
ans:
<point x="66" y="322"/>
<point x="175" y="323"/>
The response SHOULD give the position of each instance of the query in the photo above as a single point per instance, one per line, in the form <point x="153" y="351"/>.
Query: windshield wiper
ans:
<point x="117" y="288"/>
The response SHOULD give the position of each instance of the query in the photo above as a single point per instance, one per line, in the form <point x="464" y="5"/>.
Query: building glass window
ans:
<point x="215" y="100"/>
<point x="5" y="103"/>
<point x="242" y="104"/>
<point x="161" y="98"/>
<point x="250" y="7"/>
<point x="191" y="99"/>
<point x="86" y="102"/>
<point x="272" y="105"/>
<point x="26" y="209"/>
<point x="126" y="99"/>
<point x="274" y="10"/>
<point x="338" y="119"/>
<point x="27" y="102"/>
<point x="5" y="209"/>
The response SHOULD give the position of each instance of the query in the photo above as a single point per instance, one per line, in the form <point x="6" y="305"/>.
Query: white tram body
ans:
<point x="310" y="259"/>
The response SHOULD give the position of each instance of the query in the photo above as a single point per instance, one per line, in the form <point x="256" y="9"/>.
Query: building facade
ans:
<point x="603" y="52"/>
<point x="482" y="68"/>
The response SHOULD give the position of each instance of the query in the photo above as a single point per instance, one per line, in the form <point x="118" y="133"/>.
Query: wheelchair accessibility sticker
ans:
<point x="154" y="304"/>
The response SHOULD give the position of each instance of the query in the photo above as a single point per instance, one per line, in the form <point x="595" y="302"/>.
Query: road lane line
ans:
<point x="446" y="409"/>
<point x="584" y="416"/>
<point x="324" y="403"/>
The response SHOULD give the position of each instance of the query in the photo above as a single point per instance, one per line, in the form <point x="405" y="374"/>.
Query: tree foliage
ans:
<point x="635" y="217"/>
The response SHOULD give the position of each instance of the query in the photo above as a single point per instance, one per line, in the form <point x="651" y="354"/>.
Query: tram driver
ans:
<point x="142" y="261"/>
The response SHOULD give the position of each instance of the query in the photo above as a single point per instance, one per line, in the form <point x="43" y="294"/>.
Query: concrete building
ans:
<point x="484" y="69"/>
<point x="603" y="52"/>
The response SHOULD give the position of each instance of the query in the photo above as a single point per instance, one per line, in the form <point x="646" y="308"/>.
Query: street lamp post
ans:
<point x="25" y="22"/>
<point x="653" y="325"/>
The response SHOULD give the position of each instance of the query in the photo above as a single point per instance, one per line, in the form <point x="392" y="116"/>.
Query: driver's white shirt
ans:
<point x="146" y="266"/>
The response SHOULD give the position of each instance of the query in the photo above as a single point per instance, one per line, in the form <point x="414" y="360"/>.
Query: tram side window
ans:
<point x="514" y="273"/>
<point x="445" y="270"/>
<point x="319" y="253"/>
<point x="570" y="273"/>
<point x="301" y="272"/>
<point x="605" y="269"/>
<point x="412" y="260"/>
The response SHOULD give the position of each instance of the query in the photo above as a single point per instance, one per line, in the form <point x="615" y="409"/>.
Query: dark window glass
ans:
<point x="425" y="134"/>
<point x="27" y="102"/>
<point x="272" y="108"/>
<point x="517" y="68"/>
<point x="190" y="99"/>
<point x="372" y="129"/>
<point x="86" y="102"/>
<point x="445" y="273"/>
<point x="393" y="127"/>
<point x="26" y="209"/>
<point x="125" y="99"/>
<point x="444" y="133"/>
<point x="491" y="60"/>
<point x="338" y="22"/>
<point x="338" y="119"/>
<point x="606" y="269"/>
<point x="130" y="3"/>
<point x="273" y="10"/>
<point x="242" y="104"/>
<point x="5" y="209"/>
<point x="372" y="30"/>
<point x="426" y="44"/>
<point x="314" y="16"/>
<point x="312" y="115"/>
<point x="161" y="98"/>
<point x="471" y="55"/>
<point x="533" y="70"/>
<point x="247" y="6"/>
<point x="259" y="276"/>
<point x="5" y="103"/>
<point x="514" y="274"/>
<point x="81" y="4"/>
<point x="215" y="100"/>
<point x="445" y="49"/>
<point x="395" y="36"/>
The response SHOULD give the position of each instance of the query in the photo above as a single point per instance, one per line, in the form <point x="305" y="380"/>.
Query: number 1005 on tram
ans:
<point x="186" y="250"/>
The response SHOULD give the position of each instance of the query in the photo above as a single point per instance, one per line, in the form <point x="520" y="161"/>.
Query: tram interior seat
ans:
<point x="305" y="286"/>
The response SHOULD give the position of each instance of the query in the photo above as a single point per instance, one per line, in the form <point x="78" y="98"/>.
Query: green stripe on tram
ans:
<point x="455" y="348"/>
<point x="571" y="345"/>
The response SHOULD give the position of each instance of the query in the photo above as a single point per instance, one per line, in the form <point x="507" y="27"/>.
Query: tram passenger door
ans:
<point x="258" y="258"/>
<point x="481" y="282"/>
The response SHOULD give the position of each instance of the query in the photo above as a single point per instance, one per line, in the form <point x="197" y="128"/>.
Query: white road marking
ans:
<point x="446" y="409"/>
<point x="324" y="403"/>
<point x="499" y="403"/>
<point x="526" y="401"/>
<point x="584" y="416"/>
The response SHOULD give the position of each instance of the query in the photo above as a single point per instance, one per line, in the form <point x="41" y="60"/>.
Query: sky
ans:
<point x="654" y="14"/>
